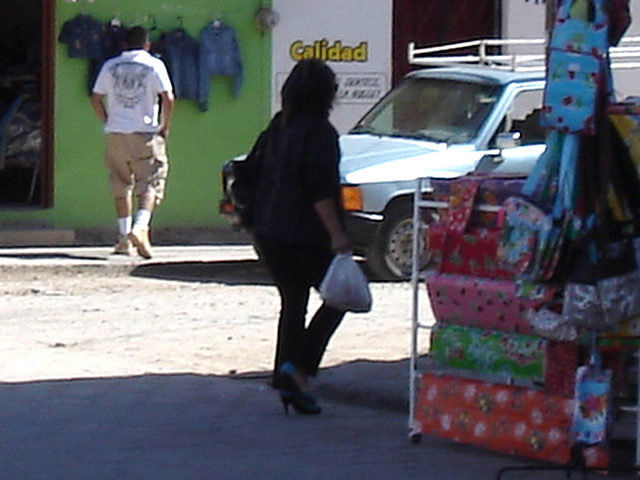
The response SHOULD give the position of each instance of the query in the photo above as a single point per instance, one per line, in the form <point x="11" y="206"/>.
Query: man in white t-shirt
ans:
<point x="133" y="97"/>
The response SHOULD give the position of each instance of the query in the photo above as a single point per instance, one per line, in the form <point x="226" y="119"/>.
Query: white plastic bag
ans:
<point x="344" y="286"/>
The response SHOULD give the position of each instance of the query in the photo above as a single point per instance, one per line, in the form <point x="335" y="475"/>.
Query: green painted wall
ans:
<point x="199" y="142"/>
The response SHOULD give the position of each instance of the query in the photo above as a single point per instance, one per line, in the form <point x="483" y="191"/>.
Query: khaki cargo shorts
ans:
<point x="136" y="162"/>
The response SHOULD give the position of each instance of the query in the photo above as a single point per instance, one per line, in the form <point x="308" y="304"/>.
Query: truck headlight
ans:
<point x="351" y="198"/>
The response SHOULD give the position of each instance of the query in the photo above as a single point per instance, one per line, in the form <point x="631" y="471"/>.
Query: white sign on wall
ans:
<point x="354" y="38"/>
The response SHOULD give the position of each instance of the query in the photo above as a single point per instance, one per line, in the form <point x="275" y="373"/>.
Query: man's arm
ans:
<point x="167" y="102"/>
<point x="98" y="107"/>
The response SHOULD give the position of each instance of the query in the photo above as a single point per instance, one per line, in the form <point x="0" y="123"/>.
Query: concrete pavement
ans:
<point x="208" y="427"/>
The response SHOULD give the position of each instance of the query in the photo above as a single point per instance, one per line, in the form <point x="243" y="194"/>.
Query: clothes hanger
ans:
<point x="154" y="23"/>
<point x="180" y="26"/>
<point x="115" y="21"/>
<point x="217" y="23"/>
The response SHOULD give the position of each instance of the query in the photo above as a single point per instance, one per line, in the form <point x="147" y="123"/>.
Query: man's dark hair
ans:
<point x="309" y="89"/>
<point x="136" y="37"/>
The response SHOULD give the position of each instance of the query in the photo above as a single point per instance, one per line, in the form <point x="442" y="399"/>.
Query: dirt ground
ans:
<point x="212" y="319"/>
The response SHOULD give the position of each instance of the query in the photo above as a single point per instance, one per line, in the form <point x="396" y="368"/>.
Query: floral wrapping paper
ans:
<point x="504" y="418"/>
<point x="489" y="190"/>
<point x="470" y="253"/>
<point x="511" y="354"/>
<point x="461" y="203"/>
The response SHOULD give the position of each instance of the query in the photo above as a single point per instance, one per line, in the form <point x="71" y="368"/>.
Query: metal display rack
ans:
<point x="421" y="202"/>
<point x="423" y="188"/>
<point x="517" y="55"/>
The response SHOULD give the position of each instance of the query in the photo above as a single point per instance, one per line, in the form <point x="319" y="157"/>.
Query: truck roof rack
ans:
<point x="517" y="55"/>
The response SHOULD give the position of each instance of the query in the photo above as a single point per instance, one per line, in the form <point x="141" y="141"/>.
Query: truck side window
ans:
<point x="524" y="117"/>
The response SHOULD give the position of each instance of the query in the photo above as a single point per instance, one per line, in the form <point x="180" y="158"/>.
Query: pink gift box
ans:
<point x="481" y="302"/>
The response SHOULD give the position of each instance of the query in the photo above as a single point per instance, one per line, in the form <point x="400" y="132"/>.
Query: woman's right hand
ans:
<point x="340" y="243"/>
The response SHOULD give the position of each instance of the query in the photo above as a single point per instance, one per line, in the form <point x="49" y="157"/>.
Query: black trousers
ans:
<point x="296" y="269"/>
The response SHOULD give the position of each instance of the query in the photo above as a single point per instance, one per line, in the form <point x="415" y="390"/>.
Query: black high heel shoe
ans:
<point x="303" y="404"/>
<point x="291" y="394"/>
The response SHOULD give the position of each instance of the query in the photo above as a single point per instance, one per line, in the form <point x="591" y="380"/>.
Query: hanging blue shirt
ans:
<point x="219" y="55"/>
<point x="84" y="36"/>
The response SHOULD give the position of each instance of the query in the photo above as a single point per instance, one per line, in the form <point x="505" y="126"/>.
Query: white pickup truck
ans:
<point x="439" y="122"/>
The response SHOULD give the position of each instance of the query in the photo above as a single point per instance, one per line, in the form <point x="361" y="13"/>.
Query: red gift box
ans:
<point x="563" y="359"/>
<point x="472" y="252"/>
<point x="488" y="189"/>
<point x="466" y="239"/>
<point x="505" y="418"/>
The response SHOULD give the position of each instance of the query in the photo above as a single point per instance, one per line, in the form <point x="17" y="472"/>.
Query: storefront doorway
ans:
<point x="25" y="103"/>
<point x="439" y="21"/>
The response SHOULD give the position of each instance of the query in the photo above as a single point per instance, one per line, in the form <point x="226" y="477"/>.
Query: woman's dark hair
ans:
<point x="309" y="89"/>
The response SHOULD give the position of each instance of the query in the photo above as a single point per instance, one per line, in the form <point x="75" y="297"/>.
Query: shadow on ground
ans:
<point x="202" y="427"/>
<point x="229" y="272"/>
<point x="170" y="426"/>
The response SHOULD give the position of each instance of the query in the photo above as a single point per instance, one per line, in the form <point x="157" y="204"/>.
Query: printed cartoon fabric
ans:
<point x="574" y="82"/>
<point x="591" y="412"/>
<point x="527" y="227"/>
<point x="577" y="70"/>
<point x="537" y="221"/>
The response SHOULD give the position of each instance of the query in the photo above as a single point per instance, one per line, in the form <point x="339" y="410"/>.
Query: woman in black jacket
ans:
<point x="296" y="220"/>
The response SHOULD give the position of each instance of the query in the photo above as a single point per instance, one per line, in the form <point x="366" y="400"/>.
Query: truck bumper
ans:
<point x="362" y="229"/>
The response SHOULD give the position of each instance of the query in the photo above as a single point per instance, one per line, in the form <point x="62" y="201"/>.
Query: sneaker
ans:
<point x="124" y="246"/>
<point x="140" y="239"/>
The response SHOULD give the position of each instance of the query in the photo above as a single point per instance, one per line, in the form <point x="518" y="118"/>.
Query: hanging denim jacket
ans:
<point x="113" y="41"/>
<point x="84" y="37"/>
<point x="219" y="55"/>
<point x="181" y="53"/>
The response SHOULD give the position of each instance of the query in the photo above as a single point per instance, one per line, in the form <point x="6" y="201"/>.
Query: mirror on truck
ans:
<point x="508" y="140"/>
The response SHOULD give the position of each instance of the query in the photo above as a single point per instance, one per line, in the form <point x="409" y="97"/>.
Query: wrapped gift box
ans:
<point x="488" y="190"/>
<point x="512" y="354"/>
<point x="624" y="336"/>
<point x="471" y="253"/>
<point x="562" y="361"/>
<point x="484" y="303"/>
<point x="505" y="418"/>
<point x="626" y="119"/>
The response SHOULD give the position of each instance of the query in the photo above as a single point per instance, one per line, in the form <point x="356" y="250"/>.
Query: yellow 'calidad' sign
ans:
<point x="337" y="52"/>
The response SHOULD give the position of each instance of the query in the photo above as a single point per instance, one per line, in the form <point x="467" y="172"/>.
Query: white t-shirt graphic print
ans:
<point x="132" y="82"/>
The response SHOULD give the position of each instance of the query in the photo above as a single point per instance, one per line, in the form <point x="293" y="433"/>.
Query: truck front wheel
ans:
<point x="391" y="256"/>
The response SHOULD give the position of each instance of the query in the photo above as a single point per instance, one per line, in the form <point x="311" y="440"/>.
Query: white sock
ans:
<point x="143" y="217"/>
<point x="124" y="225"/>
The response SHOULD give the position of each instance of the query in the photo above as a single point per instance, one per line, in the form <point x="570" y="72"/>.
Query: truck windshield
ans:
<point x="433" y="109"/>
